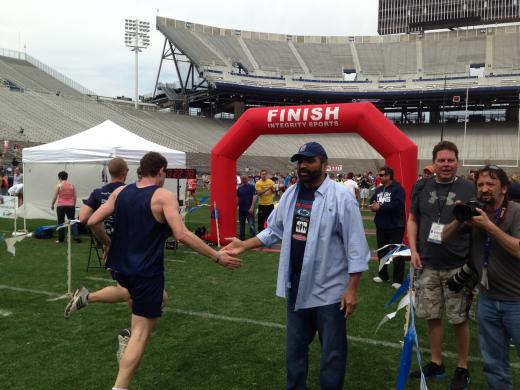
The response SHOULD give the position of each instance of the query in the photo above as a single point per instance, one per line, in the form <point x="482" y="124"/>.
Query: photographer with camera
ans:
<point x="431" y="208"/>
<point x="495" y="256"/>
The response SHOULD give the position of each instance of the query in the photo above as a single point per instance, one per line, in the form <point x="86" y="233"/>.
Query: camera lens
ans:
<point x="462" y="212"/>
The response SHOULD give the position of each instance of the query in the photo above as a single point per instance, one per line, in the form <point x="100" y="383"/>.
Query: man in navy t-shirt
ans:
<point x="388" y="204"/>
<point x="118" y="170"/>
<point x="246" y="194"/>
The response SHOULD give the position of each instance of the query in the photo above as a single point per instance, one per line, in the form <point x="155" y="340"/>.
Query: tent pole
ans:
<point x="24" y="214"/>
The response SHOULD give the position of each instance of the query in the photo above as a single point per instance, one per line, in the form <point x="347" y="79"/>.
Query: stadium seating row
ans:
<point x="374" y="58"/>
<point x="46" y="118"/>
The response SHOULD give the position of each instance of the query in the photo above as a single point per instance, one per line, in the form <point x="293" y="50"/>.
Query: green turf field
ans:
<point x="221" y="329"/>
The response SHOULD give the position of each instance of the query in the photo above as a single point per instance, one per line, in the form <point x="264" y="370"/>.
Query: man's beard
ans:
<point x="491" y="200"/>
<point x="311" y="175"/>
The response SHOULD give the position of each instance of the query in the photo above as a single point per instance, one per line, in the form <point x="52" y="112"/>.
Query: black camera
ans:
<point x="465" y="211"/>
<point x="465" y="277"/>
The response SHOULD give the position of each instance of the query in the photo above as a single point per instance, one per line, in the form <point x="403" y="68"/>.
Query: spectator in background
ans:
<point x="287" y="181"/>
<point x="192" y="188"/>
<point x="351" y="185"/>
<point x="514" y="192"/>
<point x="18" y="176"/>
<point x="433" y="201"/>
<point x="205" y="180"/>
<point x="118" y="170"/>
<point x="472" y="175"/>
<point x="377" y="181"/>
<point x="246" y="207"/>
<point x="514" y="179"/>
<point x="364" y="184"/>
<point x="65" y="196"/>
<point x="4" y="183"/>
<point x="281" y="185"/>
<point x="388" y="204"/>
<point x="265" y="191"/>
<point x="17" y="188"/>
<point x="428" y="171"/>
<point x="495" y="257"/>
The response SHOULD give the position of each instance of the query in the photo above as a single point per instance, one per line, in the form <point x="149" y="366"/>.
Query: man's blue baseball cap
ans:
<point x="310" y="149"/>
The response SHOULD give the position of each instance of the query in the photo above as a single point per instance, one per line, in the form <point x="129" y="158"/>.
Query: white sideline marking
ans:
<point x="100" y="279"/>
<point x="175" y="261"/>
<point x="59" y="298"/>
<point x="40" y="292"/>
<point x="362" y="340"/>
<point x="225" y="318"/>
<point x="5" y="313"/>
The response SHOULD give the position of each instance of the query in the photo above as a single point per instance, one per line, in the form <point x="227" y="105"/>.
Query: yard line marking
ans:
<point x="176" y="261"/>
<point x="41" y="292"/>
<point x="100" y="279"/>
<point x="225" y="318"/>
<point x="267" y="324"/>
<point x="5" y="313"/>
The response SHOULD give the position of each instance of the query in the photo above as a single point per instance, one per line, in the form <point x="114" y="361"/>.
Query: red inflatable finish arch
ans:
<point x="363" y="118"/>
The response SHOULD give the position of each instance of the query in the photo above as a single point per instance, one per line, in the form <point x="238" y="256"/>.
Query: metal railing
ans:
<point x="47" y="69"/>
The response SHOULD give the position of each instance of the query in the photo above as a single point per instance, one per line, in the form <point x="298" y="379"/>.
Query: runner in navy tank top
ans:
<point x="138" y="239"/>
<point x="143" y="213"/>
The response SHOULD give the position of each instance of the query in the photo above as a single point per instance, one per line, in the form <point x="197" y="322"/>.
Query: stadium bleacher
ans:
<point x="410" y="60"/>
<point x="47" y="117"/>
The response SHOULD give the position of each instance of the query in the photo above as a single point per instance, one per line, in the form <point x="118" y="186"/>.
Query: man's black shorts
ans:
<point x="146" y="293"/>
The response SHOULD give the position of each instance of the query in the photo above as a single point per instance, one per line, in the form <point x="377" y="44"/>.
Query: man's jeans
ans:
<point x="302" y="325"/>
<point x="498" y="323"/>
<point x="391" y="236"/>
<point x="244" y="216"/>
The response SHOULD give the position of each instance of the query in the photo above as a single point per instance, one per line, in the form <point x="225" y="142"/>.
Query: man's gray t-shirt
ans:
<point x="503" y="269"/>
<point x="434" y="202"/>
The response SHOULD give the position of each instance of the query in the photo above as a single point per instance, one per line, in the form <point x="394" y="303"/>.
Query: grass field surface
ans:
<point x="221" y="329"/>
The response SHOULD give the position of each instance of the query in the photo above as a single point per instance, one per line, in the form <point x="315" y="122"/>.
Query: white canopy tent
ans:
<point x="84" y="157"/>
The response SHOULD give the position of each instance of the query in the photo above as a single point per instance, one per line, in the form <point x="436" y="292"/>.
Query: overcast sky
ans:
<point x="85" y="39"/>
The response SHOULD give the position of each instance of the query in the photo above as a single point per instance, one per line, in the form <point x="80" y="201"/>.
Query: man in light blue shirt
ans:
<point x="324" y="251"/>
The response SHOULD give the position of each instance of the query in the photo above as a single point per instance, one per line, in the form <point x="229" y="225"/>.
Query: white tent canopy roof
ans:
<point x="101" y="143"/>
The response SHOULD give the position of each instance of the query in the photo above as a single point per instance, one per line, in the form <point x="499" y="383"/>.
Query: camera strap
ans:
<point x="499" y="216"/>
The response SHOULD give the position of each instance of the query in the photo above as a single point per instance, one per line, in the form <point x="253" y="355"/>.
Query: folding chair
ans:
<point x="97" y="248"/>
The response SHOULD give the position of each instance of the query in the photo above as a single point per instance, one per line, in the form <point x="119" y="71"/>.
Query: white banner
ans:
<point x="335" y="168"/>
<point x="8" y="206"/>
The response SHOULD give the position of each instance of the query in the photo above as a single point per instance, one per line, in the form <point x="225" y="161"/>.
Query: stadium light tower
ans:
<point x="137" y="38"/>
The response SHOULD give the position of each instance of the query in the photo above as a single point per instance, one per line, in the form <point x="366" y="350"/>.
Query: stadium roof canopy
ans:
<point x="421" y="70"/>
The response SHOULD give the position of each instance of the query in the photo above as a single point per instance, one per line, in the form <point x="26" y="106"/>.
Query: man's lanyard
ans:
<point x="439" y="206"/>
<point x="499" y="215"/>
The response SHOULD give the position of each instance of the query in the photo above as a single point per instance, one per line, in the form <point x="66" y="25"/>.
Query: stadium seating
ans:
<point x="409" y="61"/>
<point x="28" y="76"/>
<point x="46" y="117"/>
